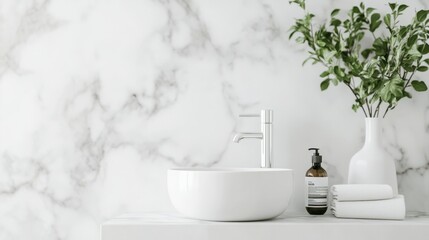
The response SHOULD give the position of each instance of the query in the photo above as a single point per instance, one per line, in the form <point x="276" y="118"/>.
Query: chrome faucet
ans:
<point x="266" y="136"/>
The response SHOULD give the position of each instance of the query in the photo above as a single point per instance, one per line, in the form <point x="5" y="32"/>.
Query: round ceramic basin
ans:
<point x="236" y="194"/>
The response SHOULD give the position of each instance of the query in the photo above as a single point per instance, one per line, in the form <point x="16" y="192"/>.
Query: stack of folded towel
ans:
<point x="372" y="201"/>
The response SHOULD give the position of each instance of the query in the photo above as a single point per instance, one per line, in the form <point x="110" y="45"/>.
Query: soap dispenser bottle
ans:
<point x="316" y="186"/>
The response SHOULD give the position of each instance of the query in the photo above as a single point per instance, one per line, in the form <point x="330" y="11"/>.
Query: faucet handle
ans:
<point x="249" y="115"/>
<point x="266" y="116"/>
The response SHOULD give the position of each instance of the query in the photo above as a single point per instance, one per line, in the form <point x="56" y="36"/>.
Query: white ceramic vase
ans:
<point x="372" y="165"/>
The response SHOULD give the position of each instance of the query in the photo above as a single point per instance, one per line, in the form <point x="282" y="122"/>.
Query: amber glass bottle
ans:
<point x="316" y="183"/>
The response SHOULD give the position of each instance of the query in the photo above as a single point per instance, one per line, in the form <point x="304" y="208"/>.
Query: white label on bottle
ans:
<point x="316" y="191"/>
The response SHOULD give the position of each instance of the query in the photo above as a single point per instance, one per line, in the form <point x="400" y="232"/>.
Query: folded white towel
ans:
<point x="361" y="192"/>
<point x="379" y="209"/>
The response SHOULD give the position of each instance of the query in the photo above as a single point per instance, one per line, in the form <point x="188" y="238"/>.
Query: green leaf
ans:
<point x="374" y="99"/>
<point x="291" y="34"/>
<point x="328" y="55"/>
<point x="422" y="69"/>
<point x="369" y="10"/>
<point x="421" y="15"/>
<point x="402" y="7"/>
<point x="324" y="74"/>
<point x="387" y="19"/>
<point x="403" y="31"/>
<point x="375" y="22"/>
<point x="375" y="17"/>
<point x="392" y="87"/>
<point x="300" y="39"/>
<point x="409" y="68"/>
<point x="315" y="60"/>
<point x="355" y="10"/>
<point x="324" y="84"/>
<point x="320" y="43"/>
<point x="412" y="40"/>
<point x="392" y="6"/>
<point x="380" y="47"/>
<point x="423" y="48"/>
<point x="339" y="72"/>
<point x="335" y="22"/>
<point x="300" y="3"/>
<point x="365" y="53"/>
<point x="360" y="36"/>
<point x="335" y="12"/>
<point x="407" y="94"/>
<point x="413" y="52"/>
<point x="419" y="86"/>
<point x="374" y="26"/>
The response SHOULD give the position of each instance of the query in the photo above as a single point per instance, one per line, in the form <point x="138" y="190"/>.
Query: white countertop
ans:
<point x="163" y="226"/>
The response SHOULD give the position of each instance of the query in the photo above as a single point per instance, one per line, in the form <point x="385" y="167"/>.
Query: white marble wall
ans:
<point x="99" y="97"/>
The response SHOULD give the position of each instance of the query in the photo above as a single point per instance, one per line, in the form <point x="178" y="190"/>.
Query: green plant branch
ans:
<point x="382" y="68"/>
<point x="385" y="112"/>
<point x="357" y="99"/>
<point x="409" y="80"/>
<point x="369" y="107"/>
<point x="377" y="110"/>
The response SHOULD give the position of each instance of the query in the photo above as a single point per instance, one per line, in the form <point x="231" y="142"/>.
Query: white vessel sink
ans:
<point x="236" y="194"/>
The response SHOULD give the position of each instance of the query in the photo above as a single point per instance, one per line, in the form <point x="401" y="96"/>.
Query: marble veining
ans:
<point x="99" y="97"/>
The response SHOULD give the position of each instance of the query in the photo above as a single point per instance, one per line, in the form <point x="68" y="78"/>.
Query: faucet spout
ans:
<point x="239" y="136"/>
<point x="266" y="136"/>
